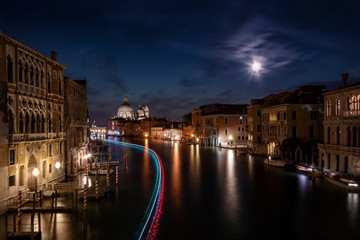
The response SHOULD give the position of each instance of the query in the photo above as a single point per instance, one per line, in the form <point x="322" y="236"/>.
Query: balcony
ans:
<point x="13" y="138"/>
<point x="31" y="89"/>
<point x="351" y="113"/>
<point x="341" y="148"/>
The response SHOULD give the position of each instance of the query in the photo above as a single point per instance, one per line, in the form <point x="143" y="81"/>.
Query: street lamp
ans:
<point x="35" y="173"/>
<point x="57" y="165"/>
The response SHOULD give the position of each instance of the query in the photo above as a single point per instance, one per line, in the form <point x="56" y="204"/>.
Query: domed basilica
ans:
<point x="125" y="111"/>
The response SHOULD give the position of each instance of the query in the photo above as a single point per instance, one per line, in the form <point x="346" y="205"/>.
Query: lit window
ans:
<point x="337" y="110"/>
<point x="328" y="108"/>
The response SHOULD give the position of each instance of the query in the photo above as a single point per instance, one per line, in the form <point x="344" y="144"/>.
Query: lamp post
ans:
<point x="57" y="165"/>
<point x="35" y="173"/>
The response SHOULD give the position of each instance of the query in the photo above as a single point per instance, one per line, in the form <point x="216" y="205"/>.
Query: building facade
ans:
<point x="255" y="143"/>
<point x="32" y="119"/>
<point x="77" y="124"/>
<point x="341" y="149"/>
<point x="221" y="124"/>
<point x="283" y="121"/>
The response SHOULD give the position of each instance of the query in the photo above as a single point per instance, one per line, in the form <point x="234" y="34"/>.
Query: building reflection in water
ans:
<point x="146" y="169"/>
<point x="176" y="175"/>
<point x="231" y="200"/>
<point x="353" y="206"/>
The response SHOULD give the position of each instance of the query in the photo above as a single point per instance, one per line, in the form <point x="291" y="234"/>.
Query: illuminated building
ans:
<point x="297" y="114"/>
<point x="341" y="149"/>
<point x="77" y="124"/>
<point x="98" y="131"/>
<point x="221" y="124"/>
<point x="126" y="112"/>
<point x="255" y="142"/>
<point x="32" y="125"/>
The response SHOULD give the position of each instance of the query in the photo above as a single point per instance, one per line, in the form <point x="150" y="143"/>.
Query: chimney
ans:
<point x="344" y="77"/>
<point x="53" y="55"/>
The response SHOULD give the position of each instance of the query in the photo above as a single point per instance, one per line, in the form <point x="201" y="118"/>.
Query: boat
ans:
<point x="308" y="170"/>
<point x="342" y="181"/>
<point x="276" y="161"/>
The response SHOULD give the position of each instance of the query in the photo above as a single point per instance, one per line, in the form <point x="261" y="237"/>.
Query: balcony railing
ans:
<point x="26" y="137"/>
<point x="31" y="89"/>
<point x="351" y="113"/>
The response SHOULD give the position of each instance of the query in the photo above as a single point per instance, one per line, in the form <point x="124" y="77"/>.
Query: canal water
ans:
<point x="212" y="193"/>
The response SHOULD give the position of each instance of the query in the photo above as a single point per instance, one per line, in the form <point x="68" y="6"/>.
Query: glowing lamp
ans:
<point x="230" y="137"/>
<point x="35" y="172"/>
<point x="57" y="165"/>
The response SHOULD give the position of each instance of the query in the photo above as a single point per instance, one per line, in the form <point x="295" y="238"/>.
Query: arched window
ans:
<point x="349" y="103"/>
<point x="11" y="123"/>
<point x="41" y="79"/>
<point x="49" y="84"/>
<point x="328" y="108"/>
<point x="31" y="75"/>
<point x="50" y="123"/>
<point x="338" y="135"/>
<point x="10" y="69"/>
<point x="27" y="123"/>
<point x="21" y="79"/>
<point x="37" y="77"/>
<point x="348" y="135"/>
<point x="337" y="109"/>
<point x="21" y="123"/>
<point x="42" y="124"/>
<point x="38" y="124"/>
<point x="26" y="73"/>
<point x="354" y="103"/>
<point x="33" y="124"/>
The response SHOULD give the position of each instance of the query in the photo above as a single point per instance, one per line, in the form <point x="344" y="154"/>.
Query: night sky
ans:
<point x="177" y="55"/>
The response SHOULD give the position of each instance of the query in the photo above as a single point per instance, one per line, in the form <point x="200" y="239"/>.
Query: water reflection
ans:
<point x="146" y="170"/>
<point x="176" y="174"/>
<point x="231" y="200"/>
<point x="353" y="206"/>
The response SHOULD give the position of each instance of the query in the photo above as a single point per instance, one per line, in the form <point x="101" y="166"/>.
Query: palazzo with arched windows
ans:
<point x="341" y="149"/>
<point x="33" y="103"/>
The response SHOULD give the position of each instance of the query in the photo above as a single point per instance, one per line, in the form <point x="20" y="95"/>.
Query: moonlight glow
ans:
<point x="256" y="66"/>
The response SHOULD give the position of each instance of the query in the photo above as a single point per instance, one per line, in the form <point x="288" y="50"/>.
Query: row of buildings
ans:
<point x="44" y="120"/>
<point x="308" y="125"/>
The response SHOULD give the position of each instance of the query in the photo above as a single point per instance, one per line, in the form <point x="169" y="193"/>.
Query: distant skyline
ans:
<point x="177" y="55"/>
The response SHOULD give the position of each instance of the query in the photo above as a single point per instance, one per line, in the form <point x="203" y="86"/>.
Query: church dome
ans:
<point x="140" y="113"/>
<point x="125" y="110"/>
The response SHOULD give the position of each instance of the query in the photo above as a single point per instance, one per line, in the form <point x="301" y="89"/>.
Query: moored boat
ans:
<point x="276" y="161"/>
<point x="308" y="170"/>
<point x="342" y="181"/>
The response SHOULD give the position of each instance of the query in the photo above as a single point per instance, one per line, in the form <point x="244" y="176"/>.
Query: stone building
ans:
<point x="221" y="124"/>
<point x="255" y="143"/>
<point x="126" y="112"/>
<point x="341" y="149"/>
<point x="77" y="124"/>
<point x="31" y="119"/>
<point x="298" y="114"/>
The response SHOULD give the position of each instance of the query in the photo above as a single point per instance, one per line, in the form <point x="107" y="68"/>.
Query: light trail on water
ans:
<point x="151" y="219"/>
